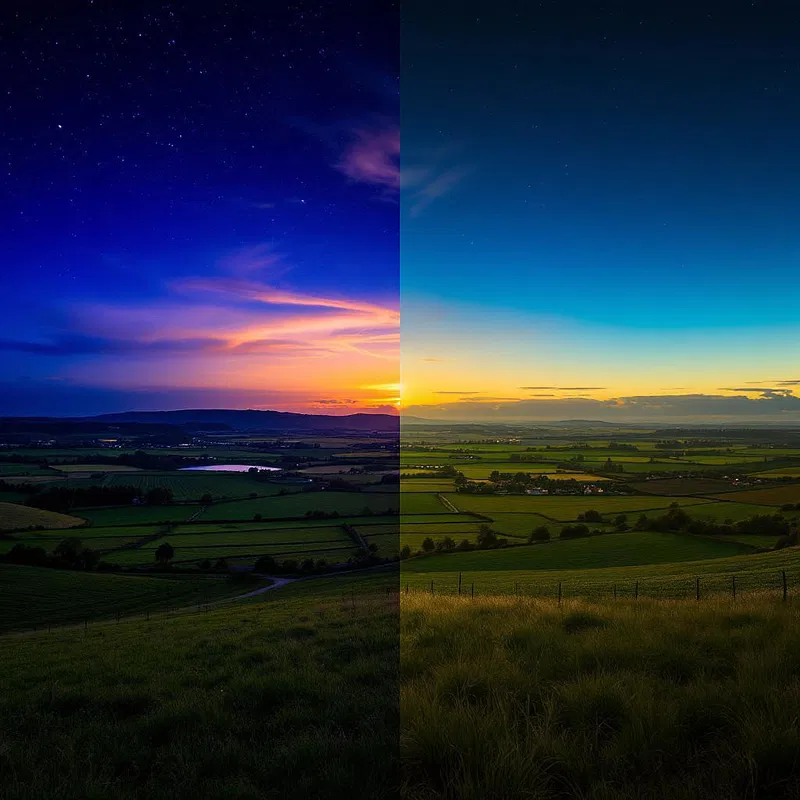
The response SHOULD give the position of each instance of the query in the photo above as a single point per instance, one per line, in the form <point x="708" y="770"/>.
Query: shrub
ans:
<point x="540" y="534"/>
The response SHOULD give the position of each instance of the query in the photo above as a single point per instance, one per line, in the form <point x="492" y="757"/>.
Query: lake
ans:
<point x="229" y="468"/>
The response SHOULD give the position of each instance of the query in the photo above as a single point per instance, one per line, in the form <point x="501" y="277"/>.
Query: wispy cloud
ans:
<point x="373" y="157"/>
<point x="241" y="327"/>
<point x="564" y="388"/>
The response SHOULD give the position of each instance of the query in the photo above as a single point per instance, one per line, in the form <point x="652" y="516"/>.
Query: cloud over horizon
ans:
<point x="653" y="408"/>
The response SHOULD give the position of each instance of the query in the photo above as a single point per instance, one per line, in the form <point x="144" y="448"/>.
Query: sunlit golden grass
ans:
<point x="505" y="697"/>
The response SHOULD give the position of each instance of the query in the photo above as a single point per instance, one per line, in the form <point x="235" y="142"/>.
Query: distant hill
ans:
<point x="252" y="420"/>
<point x="179" y="423"/>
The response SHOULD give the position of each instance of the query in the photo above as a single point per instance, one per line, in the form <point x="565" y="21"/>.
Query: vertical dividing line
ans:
<point x="559" y="592"/>
<point x="459" y="584"/>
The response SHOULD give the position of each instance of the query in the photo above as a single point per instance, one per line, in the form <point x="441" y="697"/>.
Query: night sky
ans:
<point x="199" y="206"/>
<point x="605" y="209"/>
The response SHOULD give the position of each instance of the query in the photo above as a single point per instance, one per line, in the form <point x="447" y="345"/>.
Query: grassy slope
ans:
<point x="510" y="698"/>
<point x="13" y="516"/>
<point x="31" y="596"/>
<point x="291" y="697"/>
<point x="753" y="572"/>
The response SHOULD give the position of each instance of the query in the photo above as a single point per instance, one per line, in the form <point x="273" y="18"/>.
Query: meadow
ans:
<point x="267" y="698"/>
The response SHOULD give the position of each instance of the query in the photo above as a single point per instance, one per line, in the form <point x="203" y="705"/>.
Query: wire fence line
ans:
<point x="780" y="583"/>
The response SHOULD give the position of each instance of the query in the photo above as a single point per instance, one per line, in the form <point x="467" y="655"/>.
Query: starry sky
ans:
<point x="600" y="210"/>
<point x="200" y="206"/>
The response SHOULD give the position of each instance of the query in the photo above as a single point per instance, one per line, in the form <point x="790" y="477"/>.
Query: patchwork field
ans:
<point x="19" y="517"/>
<point x="774" y="496"/>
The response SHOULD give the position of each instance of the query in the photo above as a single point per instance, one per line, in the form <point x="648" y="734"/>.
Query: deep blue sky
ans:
<point x="628" y="169"/>
<point x="155" y="142"/>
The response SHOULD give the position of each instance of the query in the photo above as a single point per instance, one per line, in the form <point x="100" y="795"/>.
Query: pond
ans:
<point x="229" y="468"/>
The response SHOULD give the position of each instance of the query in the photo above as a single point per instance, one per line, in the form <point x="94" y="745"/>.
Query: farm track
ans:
<point x="447" y="504"/>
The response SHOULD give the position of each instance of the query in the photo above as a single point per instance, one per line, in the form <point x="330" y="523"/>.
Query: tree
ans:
<point x="486" y="538"/>
<point x="427" y="544"/>
<point x="540" y="534"/>
<point x="221" y="563"/>
<point x="405" y="552"/>
<point x="590" y="516"/>
<point x="159" y="496"/>
<point x="68" y="549"/>
<point x="265" y="565"/>
<point x="165" y="553"/>
<point x="621" y="522"/>
<point x="257" y="518"/>
<point x="206" y="499"/>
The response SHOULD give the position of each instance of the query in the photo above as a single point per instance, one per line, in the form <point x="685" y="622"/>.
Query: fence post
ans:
<point x="431" y="588"/>
<point x="697" y="588"/>
<point x="459" y="584"/>
<point x="783" y="573"/>
<point x="636" y="591"/>
<point x="615" y="591"/>
<point x="406" y="588"/>
<point x="473" y="591"/>
<point x="733" y="586"/>
<point x="559" y="592"/>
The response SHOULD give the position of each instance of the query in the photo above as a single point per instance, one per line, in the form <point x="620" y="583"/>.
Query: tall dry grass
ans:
<point x="507" y="697"/>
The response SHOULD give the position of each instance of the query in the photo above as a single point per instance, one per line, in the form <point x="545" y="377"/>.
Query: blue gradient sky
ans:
<point x="199" y="207"/>
<point x="624" y="213"/>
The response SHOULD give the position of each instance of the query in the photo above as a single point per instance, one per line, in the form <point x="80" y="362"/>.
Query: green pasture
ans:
<point x="296" y="505"/>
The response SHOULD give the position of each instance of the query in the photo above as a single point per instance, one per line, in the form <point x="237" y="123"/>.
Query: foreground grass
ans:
<point x="512" y="698"/>
<point x="282" y="696"/>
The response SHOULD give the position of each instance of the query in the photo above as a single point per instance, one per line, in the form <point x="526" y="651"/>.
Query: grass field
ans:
<point x="137" y="515"/>
<point x="191" y="486"/>
<point x="754" y="572"/>
<point x="74" y="468"/>
<point x="595" y="552"/>
<point x="295" y="697"/>
<point x="19" y="517"/>
<point x="774" y="496"/>
<point x="32" y="597"/>
<point x="296" y="505"/>
<point x="511" y="698"/>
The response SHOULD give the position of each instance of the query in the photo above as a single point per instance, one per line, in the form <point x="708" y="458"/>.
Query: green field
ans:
<point x="137" y="515"/>
<point x="595" y="552"/>
<point x="18" y="517"/>
<point x="32" y="597"/>
<point x="774" y="496"/>
<point x="296" y="505"/>
<point x="73" y="468"/>
<point x="191" y="486"/>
